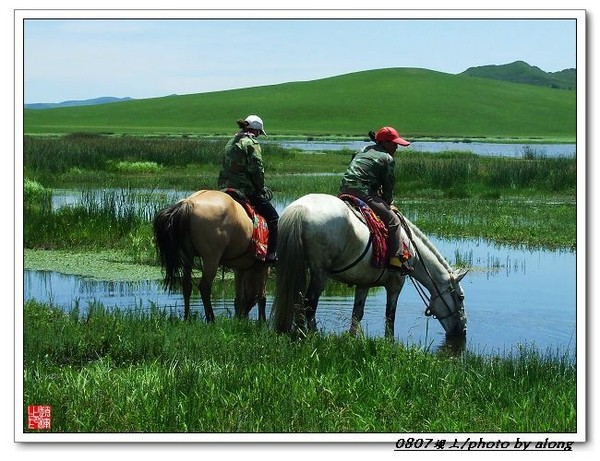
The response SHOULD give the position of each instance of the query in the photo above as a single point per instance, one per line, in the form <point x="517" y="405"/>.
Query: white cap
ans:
<point x="256" y="123"/>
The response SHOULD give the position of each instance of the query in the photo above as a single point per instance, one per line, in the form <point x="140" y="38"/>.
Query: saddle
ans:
<point x="377" y="227"/>
<point x="260" y="230"/>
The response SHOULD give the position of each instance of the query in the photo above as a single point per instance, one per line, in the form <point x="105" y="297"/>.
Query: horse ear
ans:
<point x="458" y="275"/>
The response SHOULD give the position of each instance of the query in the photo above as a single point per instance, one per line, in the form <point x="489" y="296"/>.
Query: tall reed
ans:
<point x="101" y="152"/>
<point x="448" y="170"/>
<point x="37" y="199"/>
<point x="120" y="216"/>
<point x="102" y="219"/>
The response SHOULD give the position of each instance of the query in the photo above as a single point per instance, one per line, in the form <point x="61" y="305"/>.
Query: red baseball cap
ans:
<point x="387" y="133"/>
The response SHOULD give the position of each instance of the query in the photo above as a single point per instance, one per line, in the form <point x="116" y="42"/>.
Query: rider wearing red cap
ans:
<point x="371" y="177"/>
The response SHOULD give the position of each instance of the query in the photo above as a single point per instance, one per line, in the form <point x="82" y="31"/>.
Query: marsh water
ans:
<point x="515" y="297"/>
<point x="479" y="148"/>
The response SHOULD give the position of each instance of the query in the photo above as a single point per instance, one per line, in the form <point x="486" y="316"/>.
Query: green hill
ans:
<point x="521" y="72"/>
<point x="418" y="102"/>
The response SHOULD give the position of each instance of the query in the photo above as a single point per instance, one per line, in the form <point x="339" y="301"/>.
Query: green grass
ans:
<point x="158" y="162"/>
<point x="133" y="371"/>
<point x="529" y="223"/>
<point x="418" y="102"/>
<point x="529" y="200"/>
<point x="128" y="372"/>
<point x="467" y="174"/>
<point x="113" y="265"/>
<point x="103" y="220"/>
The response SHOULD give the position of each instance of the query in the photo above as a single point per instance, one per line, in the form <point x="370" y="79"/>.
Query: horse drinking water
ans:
<point x="321" y="236"/>
<point x="211" y="226"/>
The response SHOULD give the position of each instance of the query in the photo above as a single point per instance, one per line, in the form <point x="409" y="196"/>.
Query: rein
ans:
<point x="419" y="287"/>
<point x="427" y="301"/>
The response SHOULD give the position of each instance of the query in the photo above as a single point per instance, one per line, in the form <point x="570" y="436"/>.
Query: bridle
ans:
<point x="421" y="290"/>
<point x="439" y="294"/>
<point x="418" y="286"/>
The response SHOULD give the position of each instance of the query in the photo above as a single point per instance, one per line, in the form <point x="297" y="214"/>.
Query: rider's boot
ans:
<point x="396" y="264"/>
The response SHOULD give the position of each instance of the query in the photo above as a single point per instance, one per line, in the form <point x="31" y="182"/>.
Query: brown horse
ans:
<point x="213" y="227"/>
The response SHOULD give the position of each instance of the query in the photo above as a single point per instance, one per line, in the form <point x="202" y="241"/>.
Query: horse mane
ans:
<point x="428" y="244"/>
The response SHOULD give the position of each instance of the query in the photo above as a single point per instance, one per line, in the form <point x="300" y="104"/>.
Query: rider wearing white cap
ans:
<point x="242" y="169"/>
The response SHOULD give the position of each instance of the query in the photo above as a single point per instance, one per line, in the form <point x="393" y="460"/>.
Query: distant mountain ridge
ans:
<point x="521" y="72"/>
<point x="74" y="103"/>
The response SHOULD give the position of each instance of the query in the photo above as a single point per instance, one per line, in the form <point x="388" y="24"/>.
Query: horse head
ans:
<point x="447" y="305"/>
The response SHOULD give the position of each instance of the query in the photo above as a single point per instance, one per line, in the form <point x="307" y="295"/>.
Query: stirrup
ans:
<point x="406" y="269"/>
<point x="395" y="264"/>
<point x="271" y="259"/>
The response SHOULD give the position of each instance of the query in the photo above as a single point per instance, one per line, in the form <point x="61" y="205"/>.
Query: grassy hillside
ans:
<point x="521" y="72"/>
<point x="418" y="102"/>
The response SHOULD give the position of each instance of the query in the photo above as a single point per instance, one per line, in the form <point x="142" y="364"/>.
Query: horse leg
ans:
<point x="390" y="308"/>
<point x="262" y="297"/>
<point x="240" y="309"/>
<point x="186" y="287"/>
<point x="360" y="295"/>
<point x="209" y="272"/>
<point x="262" y="305"/>
<point x="316" y="286"/>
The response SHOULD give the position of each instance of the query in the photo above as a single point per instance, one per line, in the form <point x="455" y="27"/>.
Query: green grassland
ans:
<point x="126" y="372"/>
<point x="420" y="103"/>
<point x="108" y="371"/>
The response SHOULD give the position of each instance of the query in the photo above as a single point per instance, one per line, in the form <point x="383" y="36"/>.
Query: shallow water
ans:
<point x="514" y="298"/>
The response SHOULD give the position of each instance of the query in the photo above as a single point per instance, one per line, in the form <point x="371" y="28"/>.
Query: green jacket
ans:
<point x="242" y="166"/>
<point x="371" y="172"/>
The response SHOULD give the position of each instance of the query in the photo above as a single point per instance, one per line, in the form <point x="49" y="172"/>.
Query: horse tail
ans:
<point x="171" y="231"/>
<point x="290" y="279"/>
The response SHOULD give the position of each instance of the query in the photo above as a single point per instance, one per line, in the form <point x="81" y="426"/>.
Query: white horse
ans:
<point x="319" y="234"/>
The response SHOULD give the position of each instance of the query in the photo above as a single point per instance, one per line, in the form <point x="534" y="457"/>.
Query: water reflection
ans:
<point x="145" y="201"/>
<point x="453" y="346"/>
<point x="514" y="297"/>
<point x="69" y="292"/>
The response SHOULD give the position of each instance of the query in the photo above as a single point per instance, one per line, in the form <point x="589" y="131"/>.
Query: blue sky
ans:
<point x="88" y="58"/>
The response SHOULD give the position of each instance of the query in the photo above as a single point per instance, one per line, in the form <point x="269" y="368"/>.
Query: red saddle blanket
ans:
<point x="377" y="227"/>
<point x="260" y="230"/>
